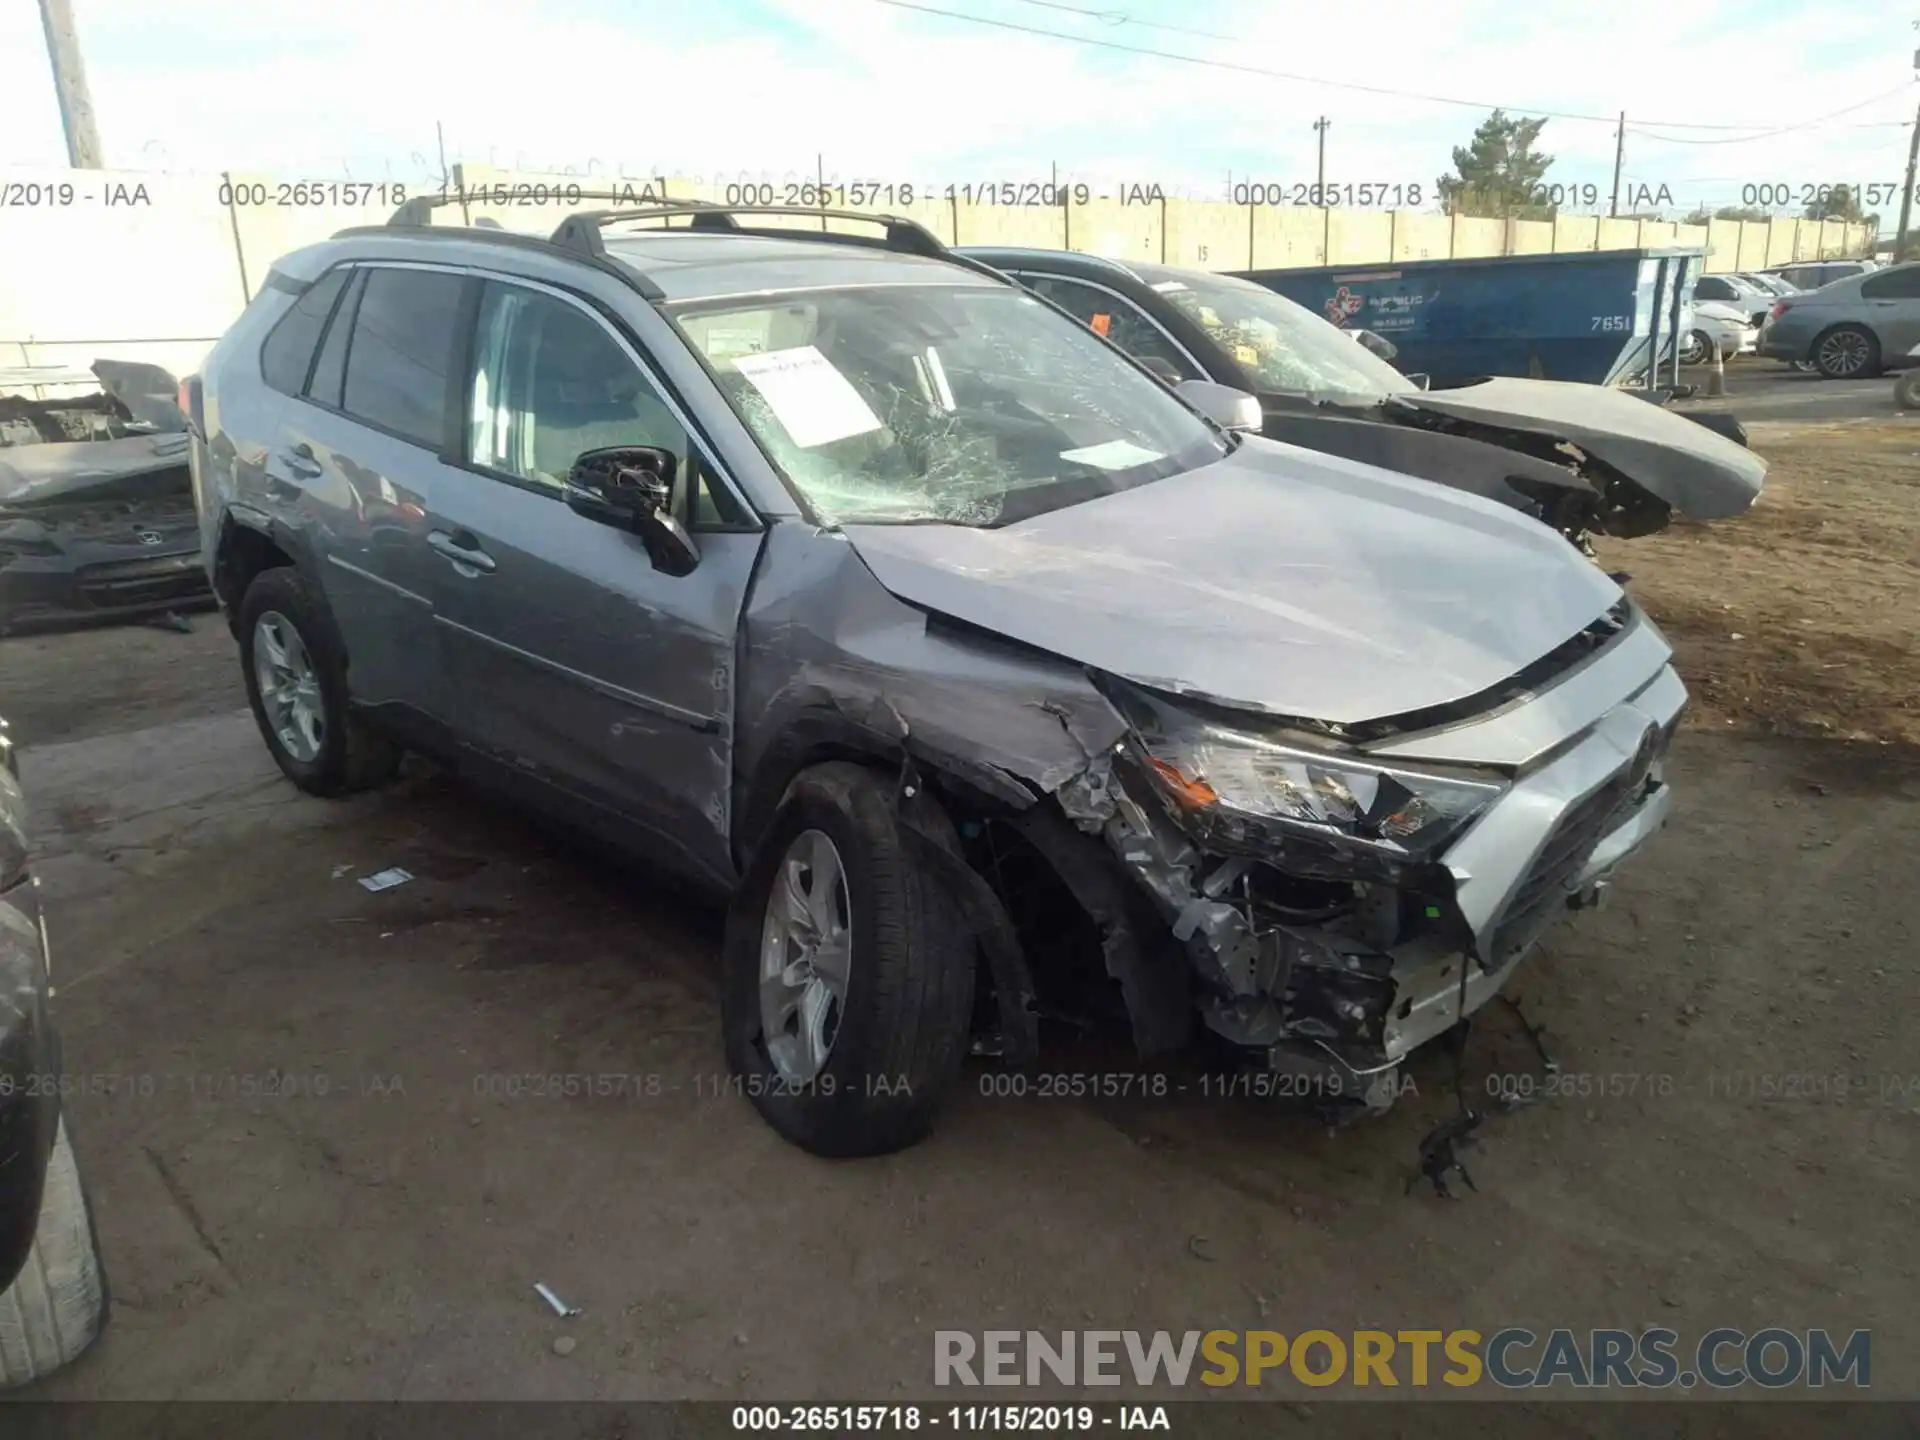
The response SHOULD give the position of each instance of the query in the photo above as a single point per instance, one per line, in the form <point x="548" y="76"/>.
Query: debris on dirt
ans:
<point x="1439" y="1153"/>
<point x="342" y="869"/>
<point x="385" y="879"/>
<point x="560" y="1307"/>
<point x="563" y="1345"/>
<point x="171" y="620"/>
<point x="1201" y="1248"/>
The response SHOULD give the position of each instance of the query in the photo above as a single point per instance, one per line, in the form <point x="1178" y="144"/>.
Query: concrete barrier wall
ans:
<point x="149" y="266"/>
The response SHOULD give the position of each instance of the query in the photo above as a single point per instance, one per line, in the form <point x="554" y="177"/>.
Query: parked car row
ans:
<point x="977" y="651"/>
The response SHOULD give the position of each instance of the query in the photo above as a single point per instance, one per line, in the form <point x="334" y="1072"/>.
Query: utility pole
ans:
<point x="70" y="85"/>
<point x="1619" y="155"/>
<point x="1906" y="195"/>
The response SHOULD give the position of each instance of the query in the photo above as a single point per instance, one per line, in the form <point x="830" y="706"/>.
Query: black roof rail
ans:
<point x="419" y="210"/>
<point x="581" y="231"/>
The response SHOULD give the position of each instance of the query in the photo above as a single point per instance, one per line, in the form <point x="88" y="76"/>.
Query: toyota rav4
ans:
<point x="981" y="670"/>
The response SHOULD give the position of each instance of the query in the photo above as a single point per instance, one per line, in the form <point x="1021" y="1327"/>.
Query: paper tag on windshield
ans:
<point x="815" y="402"/>
<point x="1246" y="354"/>
<point x="1113" y="455"/>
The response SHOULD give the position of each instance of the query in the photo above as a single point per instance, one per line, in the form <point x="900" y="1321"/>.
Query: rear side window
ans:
<point x="287" y="355"/>
<point x="1902" y="284"/>
<point x="401" y="352"/>
<point x="330" y="370"/>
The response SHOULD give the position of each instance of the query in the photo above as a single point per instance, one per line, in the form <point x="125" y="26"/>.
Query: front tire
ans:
<point x="1698" y="348"/>
<point x="57" y="1304"/>
<point x="296" y="673"/>
<point x="1847" y="352"/>
<point x="849" y="973"/>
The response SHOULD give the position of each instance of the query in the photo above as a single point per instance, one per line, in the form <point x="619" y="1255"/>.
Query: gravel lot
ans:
<point x="380" y="1239"/>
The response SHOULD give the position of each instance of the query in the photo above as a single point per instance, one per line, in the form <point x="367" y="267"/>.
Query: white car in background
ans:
<point x="1717" y="322"/>
<point x="1737" y="291"/>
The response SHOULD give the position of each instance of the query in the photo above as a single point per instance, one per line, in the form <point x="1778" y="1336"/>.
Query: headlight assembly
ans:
<point x="1239" y="781"/>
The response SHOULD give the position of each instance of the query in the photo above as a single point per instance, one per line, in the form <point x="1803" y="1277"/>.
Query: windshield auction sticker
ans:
<point x="813" y="400"/>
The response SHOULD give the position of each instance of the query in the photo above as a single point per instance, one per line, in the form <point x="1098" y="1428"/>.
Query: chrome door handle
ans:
<point x="300" y="462"/>
<point x="468" y="554"/>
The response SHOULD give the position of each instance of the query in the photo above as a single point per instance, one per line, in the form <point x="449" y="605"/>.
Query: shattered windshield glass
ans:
<point x="1280" y="345"/>
<point x="966" y="405"/>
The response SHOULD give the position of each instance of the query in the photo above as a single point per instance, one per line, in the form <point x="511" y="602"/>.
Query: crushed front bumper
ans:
<point x="1340" y="1000"/>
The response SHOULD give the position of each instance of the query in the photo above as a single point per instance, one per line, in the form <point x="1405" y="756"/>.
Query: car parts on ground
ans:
<point x="96" y="503"/>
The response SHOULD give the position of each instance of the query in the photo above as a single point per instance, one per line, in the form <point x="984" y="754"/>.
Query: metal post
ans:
<point x="1906" y="195"/>
<point x="1619" y="154"/>
<point x="70" y="86"/>
<point x="1320" y="190"/>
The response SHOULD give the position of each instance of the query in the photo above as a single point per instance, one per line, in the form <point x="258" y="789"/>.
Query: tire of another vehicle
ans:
<point x="57" y="1305"/>
<point x="1698" y="348"/>
<point x="904" y="1021"/>
<point x="1906" y="391"/>
<point x="1846" y="352"/>
<point x="351" y="755"/>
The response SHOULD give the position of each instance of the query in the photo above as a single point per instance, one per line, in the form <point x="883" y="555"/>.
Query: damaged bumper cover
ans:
<point x="1334" y="955"/>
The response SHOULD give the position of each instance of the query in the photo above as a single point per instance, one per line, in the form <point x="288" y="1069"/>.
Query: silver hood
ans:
<point x="1276" y="579"/>
<point x="1703" y="475"/>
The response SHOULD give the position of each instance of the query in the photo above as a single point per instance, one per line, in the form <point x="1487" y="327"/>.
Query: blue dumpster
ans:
<point x="1593" y="316"/>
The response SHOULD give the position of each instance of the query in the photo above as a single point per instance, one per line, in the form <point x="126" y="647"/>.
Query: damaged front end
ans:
<point x="97" y="517"/>
<point x="1338" y="907"/>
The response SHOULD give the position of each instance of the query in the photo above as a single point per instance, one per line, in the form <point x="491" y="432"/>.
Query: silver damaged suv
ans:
<point x="987" y="677"/>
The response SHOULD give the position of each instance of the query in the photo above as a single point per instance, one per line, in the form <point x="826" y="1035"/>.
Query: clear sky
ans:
<point x="354" y="88"/>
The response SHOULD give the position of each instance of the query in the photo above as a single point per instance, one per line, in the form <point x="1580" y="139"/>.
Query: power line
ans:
<point x="1244" y="69"/>
<point x="1116" y="18"/>
<point x="1640" y="129"/>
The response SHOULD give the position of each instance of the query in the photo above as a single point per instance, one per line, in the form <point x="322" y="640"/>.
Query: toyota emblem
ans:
<point x="148" y="537"/>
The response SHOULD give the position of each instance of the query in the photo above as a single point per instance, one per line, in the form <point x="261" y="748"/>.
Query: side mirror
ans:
<point x="630" y="487"/>
<point x="1227" y="407"/>
<point x="1378" y="344"/>
<point x="1161" y="367"/>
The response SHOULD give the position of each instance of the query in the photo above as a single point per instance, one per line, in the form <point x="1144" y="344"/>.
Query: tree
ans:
<point x="1835" y="202"/>
<point x="1498" y="173"/>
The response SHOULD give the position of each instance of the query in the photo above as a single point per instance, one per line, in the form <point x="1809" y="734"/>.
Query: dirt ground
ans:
<point x="374" y="1229"/>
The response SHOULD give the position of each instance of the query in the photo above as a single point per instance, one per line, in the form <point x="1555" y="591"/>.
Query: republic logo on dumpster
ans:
<point x="1343" y="304"/>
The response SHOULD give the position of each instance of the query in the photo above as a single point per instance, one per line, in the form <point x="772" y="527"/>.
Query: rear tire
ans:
<point x="342" y="753"/>
<point x="904" y="1015"/>
<point x="57" y="1305"/>
<point x="1906" y="392"/>
<point x="1847" y="352"/>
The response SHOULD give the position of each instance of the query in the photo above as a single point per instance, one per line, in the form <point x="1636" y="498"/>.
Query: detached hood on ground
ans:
<point x="1702" y="475"/>
<point x="1276" y="579"/>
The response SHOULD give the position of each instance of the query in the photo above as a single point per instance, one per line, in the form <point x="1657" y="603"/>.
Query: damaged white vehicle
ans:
<point x="990" y="678"/>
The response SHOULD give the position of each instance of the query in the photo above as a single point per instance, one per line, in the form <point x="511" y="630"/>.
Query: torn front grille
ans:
<point x="120" y="583"/>
<point x="1544" y="888"/>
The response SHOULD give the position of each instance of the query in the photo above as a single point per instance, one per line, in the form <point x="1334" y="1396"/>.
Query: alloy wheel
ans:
<point x="1844" y="353"/>
<point x="806" y="956"/>
<point x="289" y="687"/>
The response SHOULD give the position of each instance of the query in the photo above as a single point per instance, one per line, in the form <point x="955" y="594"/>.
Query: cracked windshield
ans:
<point x="1281" y="345"/>
<point x="942" y="403"/>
